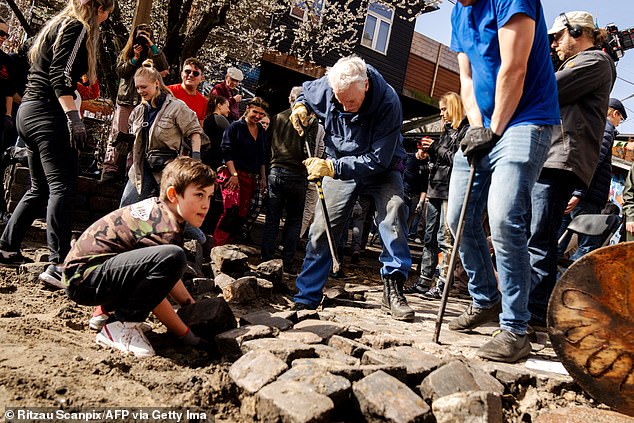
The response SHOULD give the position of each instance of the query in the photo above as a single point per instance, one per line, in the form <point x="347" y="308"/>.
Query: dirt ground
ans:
<point x="49" y="358"/>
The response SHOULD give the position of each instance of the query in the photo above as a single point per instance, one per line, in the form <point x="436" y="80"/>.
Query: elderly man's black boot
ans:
<point x="394" y="301"/>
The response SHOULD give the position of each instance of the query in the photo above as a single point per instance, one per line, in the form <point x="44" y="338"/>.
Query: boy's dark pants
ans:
<point x="132" y="283"/>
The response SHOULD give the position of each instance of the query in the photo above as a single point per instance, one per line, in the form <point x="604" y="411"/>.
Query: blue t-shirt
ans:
<point x="474" y="32"/>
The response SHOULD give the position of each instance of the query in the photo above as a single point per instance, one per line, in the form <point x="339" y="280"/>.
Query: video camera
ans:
<point x="615" y="44"/>
<point x="618" y="41"/>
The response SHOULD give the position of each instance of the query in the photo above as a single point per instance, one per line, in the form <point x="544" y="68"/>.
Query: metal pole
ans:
<point x="322" y="200"/>
<point x="454" y="255"/>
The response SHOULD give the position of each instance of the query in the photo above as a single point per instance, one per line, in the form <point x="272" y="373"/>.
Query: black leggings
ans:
<point x="53" y="167"/>
<point x="133" y="283"/>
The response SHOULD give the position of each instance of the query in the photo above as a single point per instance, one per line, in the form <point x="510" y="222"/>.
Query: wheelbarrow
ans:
<point x="591" y="324"/>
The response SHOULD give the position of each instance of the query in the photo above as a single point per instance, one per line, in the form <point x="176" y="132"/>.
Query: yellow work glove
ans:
<point x="299" y="118"/>
<point x="318" y="168"/>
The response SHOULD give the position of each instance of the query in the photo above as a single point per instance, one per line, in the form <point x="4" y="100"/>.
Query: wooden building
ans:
<point x="384" y="43"/>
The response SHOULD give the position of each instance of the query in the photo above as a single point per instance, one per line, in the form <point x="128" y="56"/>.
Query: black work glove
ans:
<point x="477" y="142"/>
<point x="77" y="129"/>
<point x="7" y="124"/>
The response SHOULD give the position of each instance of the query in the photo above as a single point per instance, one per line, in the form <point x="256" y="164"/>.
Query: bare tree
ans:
<point x="220" y="32"/>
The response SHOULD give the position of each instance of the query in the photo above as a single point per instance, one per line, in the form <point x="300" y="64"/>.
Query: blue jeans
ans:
<point x="53" y="169"/>
<point x="149" y="188"/>
<point x="433" y="232"/>
<point x="287" y="192"/>
<point x="387" y="191"/>
<point x="550" y="198"/>
<point x="508" y="172"/>
<point x="585" y="243"/>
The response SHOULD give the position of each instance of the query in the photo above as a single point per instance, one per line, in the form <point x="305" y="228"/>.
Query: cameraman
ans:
<point x="140" y="46"/>
<point x="584" y="81"/>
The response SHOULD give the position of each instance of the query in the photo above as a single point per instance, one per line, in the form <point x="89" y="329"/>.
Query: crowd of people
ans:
<point x="198" y="167"/>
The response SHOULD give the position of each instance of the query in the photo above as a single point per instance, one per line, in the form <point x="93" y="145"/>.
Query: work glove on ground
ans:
<point x="299" y="118"/>
<point x="318" y="168"/>
<point x="77" y="129"/>
<point x="477" y="142"/>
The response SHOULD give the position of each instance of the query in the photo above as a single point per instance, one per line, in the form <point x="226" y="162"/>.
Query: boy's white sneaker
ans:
<point x="98" y="318"/>
<point x="126" y="337"/>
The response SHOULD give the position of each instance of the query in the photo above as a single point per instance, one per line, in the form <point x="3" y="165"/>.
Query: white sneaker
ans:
<point x="126" y="337"/>
<point x="98" y="318"/>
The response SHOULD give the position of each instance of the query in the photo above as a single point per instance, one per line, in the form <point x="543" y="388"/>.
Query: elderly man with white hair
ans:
<point x="362" y="117"/>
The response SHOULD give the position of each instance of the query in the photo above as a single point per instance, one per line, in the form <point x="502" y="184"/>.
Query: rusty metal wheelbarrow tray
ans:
<point x="591" y="324"/>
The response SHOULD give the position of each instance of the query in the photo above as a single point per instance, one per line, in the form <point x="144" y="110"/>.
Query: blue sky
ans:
<point x="437" y="25"/>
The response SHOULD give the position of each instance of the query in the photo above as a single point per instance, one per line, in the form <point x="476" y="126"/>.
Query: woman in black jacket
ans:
<point x="440" y="163"/>
<point x="50" y="124"/>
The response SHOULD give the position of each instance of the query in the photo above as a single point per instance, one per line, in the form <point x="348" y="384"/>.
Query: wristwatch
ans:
<point x="234" y="174"/>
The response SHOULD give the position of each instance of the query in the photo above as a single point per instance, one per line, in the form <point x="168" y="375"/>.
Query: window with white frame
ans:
<point x="301" y="9"/>
<point x="377" y="28"/>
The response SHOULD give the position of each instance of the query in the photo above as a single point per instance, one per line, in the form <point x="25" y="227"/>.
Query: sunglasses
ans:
<point x="3" y="34"/>
<point x="558" y="35"/>
<point x="195" y="72"/>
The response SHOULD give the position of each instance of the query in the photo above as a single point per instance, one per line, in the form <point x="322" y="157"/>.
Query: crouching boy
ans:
<point x="129" y="261"/>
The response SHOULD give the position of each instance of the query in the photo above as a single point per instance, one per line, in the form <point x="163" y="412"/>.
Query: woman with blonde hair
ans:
<point x="161" y="124"/>
<point x="440" y="153"/>
<point x="50" y="124"/>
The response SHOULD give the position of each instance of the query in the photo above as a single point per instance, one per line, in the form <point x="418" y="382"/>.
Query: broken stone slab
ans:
<point x="241" y="290"/>
<point x="255" y="369"/>
<point x="324" y="329"/>
<point x="264" y="288"/>
<point x="229" y="342"/>
<point x="324" y="351"/>
<point x="307" y="315"/>
<point x="222" y="279"/>
<point x="230" y="260"/>
<point x="351" y="372"/>
<point x="457" y="376"/>
<point x="387" y="340"/>
<point x="208" y="317"/>
<point x="382" y="397"/>
<point x="267" y="319"/>
<point x="194" y="251"/>
<point x="349" y="346"/>
<point x="337" y="388"/>
<point x="292" y="402"/>
<point x="199" y="286"/>
<point x="469" y="407"/>
<point x="286" y="314"/>
<point x="418" y="364"/>
<point x="300" y="336"/>
<point x="512" y="377"/>
<point x="272" y="270"/>
<point x="581" y="415"/>
<point x="283" y="349"/>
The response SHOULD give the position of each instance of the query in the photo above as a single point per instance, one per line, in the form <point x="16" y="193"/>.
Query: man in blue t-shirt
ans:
<point x="510" y="95"/>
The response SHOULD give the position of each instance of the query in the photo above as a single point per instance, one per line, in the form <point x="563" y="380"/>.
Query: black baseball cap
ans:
<point x="617" y="105"/>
